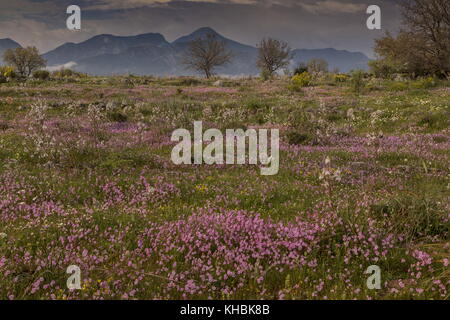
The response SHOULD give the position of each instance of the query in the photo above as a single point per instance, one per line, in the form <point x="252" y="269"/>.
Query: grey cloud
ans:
<point x="303" y="23"/>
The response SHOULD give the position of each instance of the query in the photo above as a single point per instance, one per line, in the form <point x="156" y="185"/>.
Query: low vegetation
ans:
<point x="88" y="181"/>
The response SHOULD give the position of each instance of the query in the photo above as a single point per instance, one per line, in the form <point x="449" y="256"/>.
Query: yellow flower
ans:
<point x="201" y="188"/>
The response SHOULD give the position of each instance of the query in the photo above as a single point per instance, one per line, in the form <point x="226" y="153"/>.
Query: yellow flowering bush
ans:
<point x="300" y="81"/>
<point x="7" y="71"/>
<point x="340" y="77"/>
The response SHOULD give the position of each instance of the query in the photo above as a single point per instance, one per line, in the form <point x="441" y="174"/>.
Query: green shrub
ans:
<point x="257" y="105"/>
<point x="301" y="69"/>
<point x="299" y="138"/>
<point x="434" y="121"/>
<point x="3" y="126"/>
<point x="339" y="78"/>
<point x="357" y="81"/>
<point x="424" y="83"/>
<point x="398" y="86"/>
<point x="422" y="217"/>
<point x="117" y="116"/>
<point x="382" y="69"/>
<point x="189" y="82"/>
<point x="67" y="73"/>
<point x="41" y="74"/>
<point x="266" y="75"/>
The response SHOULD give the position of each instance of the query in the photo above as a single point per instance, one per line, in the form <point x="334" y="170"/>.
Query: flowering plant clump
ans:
<point x="7" y="71"/>
<point x="300" y="81"/>
<point x="339" y="78"/>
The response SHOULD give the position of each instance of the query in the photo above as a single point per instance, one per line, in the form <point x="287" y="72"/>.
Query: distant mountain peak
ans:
<point x="199" y="33"/>
<point x="205" y="30"/>
<point x="100" y="45"/>
<point x="6" y="44"/>
<point x="9" y="42"/>
<point x="139" y="37"/>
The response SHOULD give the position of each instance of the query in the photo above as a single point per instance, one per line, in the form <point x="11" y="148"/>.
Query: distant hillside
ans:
<point x="340" y="59"/>
<point x="6" y="44"/>
<point x="151" y="53"/>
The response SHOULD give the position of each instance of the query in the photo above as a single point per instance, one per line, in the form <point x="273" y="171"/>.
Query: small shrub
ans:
<point x="41" y="75"/>
<point x="66" y="73"/>
<point x="422" y="217"/>
<point x="340" y="78"/>
<point x="7" y="72"/>
<point x="300" y="81"/>
<point x="190" y="82"/>
<point x="257" y="105"/>
<point x="357" y="81"/>
<point x="434" y="121"/>
<point x="382" y="69"/>
<point x="299" y="138"/>
<point x="117" y="116"/>
<point x="398" y="86"/>
<point x="3" y="126"/>
<point x="333" y="117"/>
<point x="424" y="83"/>
<point x="266" y="75"/>
<point x="301" y="69"/>
<point x="440" y="139"/>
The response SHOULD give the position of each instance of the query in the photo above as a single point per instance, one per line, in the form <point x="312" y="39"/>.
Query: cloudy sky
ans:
<point x="340" y="24"/>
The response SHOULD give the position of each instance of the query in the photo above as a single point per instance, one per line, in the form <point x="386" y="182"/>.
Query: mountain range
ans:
<point x="6" y="44"/>
<point x="151" y="53"/>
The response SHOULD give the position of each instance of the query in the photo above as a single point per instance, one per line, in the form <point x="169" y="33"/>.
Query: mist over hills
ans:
<point x="151" y="53"/>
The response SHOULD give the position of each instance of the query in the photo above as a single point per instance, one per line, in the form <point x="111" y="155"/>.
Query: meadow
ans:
<point x="87" y="180"/>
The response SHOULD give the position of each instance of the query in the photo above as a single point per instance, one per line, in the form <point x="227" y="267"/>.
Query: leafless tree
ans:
<point x="205" y="54"/>
<point x="317" y="66"/>
<point x="273" y="55"/>
<point x="24" y="60"/>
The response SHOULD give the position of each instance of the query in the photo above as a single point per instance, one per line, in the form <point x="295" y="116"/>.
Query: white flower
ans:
<point x="351" y="114"/>
<point x="3" y="235"/>
<point x="337" y="175"/>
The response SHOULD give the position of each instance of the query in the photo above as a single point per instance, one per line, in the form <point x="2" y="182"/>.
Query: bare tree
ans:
<point x="205" y="54"/>
<point x="317" y="66"/>
<point x="273" y="55"/>
<point x="24" y="60"/>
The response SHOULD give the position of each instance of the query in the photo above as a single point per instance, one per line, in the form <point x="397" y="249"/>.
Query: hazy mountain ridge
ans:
<point x="100" y="45"/>
<point x="151" y="53"/>
<point x="341" y="59"/>
<point x="6" y="44"/>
